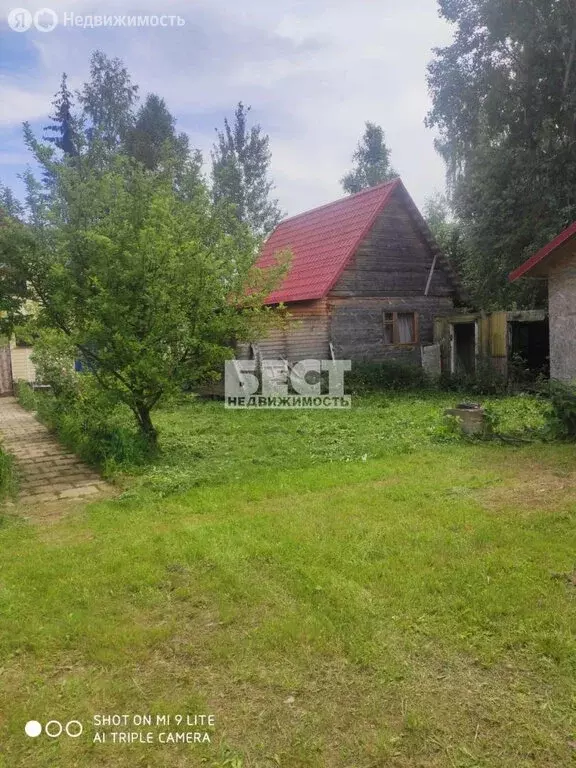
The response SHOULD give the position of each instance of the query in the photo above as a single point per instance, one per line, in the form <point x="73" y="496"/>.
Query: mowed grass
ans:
<point x="203" y="443"/>
<point x="349" y="590"/>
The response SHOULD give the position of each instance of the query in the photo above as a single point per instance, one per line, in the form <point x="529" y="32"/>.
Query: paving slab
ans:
<point x="47" y="472"/>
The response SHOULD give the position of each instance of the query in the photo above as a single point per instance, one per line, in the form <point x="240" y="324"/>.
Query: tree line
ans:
<point x="122" y="254"/>
<point x="123" y="257"/>
<point x="504" y="109"/>
<point x="504" y="105"/>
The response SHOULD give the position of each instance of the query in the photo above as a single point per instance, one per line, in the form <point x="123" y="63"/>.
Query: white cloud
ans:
<point x="314" y="71"/>
<point x="21" y="103"/>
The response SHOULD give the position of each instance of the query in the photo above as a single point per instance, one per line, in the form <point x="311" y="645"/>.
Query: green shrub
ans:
<point x="486" y="380"/>
<point x="91" y="424"/>
<point x="88" y="420"/>
<point x="562" y="420"/>
<point x="53" y="358"/>
<point x="522" y="417"/>
<point x="388" y="375"/>
<point x="7" y="475"/>
<point x="27" y="397"/>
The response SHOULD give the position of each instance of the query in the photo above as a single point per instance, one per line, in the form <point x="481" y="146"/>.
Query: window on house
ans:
<point x="388" y="328"/>
<point x="400" y="328"/>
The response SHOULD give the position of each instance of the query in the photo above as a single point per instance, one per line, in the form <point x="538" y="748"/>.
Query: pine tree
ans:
<point x="372" y="162"/>
<point x="240" y="165"/>
<point x="154" y="134"/>
<point x="65" y="128"/>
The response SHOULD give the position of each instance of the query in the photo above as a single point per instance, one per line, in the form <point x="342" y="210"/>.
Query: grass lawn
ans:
<point x="353" y="590"/>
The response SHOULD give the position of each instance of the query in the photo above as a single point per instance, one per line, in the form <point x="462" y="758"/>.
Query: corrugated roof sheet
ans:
<point x="322" y="241"/>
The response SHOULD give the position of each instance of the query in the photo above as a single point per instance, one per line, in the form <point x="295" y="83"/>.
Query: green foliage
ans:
<point x="104" y="122"/>
<point x="372" y="162"/>
<point x="53" y="358"/>
<point x="65" y="129"/>
<point x="563" y="410"/>
<point x="486" y="380"/>
<point x="8" y="481"/>
<point x="26" y="395"/>
<point x="393" y="375"/>
<point x="376" y="377"/>
<point x="240" y="167"/>
<point x="127" y="258"/>
<point x="153" y="137"/>
<point x="523" y="417"/>
<point x="449" y="430"/>
<point x="448" y="233"/>
<point x="9" y="205"/>
<point x="504" y="96"/>
<point x="147" y="287"/>
<point x="86" y="419"/>
<point x="93" y="424"/>
<point x="108" y="99"/>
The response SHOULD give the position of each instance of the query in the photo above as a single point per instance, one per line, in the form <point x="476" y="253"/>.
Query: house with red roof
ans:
<point x="556" y="263"/>
<point x="366" y="280"/>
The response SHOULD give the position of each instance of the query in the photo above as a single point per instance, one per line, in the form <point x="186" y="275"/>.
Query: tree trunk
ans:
<point x="147" y="428"/>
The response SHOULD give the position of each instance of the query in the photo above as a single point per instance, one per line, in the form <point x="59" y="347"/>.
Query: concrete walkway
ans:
<point x="47" y="472"/>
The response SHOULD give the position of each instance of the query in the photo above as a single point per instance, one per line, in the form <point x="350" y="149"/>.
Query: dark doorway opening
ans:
<point x="530" y="347"/>
<point x="464" y="353"/>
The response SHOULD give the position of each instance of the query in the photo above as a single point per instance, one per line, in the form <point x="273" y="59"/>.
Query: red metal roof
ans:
<point x="322" y="241"/>
<point x="539" y="257"/>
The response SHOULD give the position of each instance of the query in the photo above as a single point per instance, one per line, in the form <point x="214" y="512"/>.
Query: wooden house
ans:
<point x="366" y="280"/>
<point x="556" y="263"/>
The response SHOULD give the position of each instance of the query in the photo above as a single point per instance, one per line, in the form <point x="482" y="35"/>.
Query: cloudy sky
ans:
<point x="313" y="70"/>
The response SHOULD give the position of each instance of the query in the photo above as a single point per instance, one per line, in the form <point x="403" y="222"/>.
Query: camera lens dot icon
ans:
<point x="33" y="728"/>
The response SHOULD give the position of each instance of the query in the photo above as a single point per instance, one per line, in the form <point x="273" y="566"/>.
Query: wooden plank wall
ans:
<point x="273" y="345"/>
<point x="389" y="272"/>
<point x="22" y="366"/>
<point x="357" y="328"/>
<point x="308" y="336"/>
<point x="305" y="337"/>
<point x="498" y="330"/>
<point x="393" y="260"/>
<point x="492" y="337"/>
